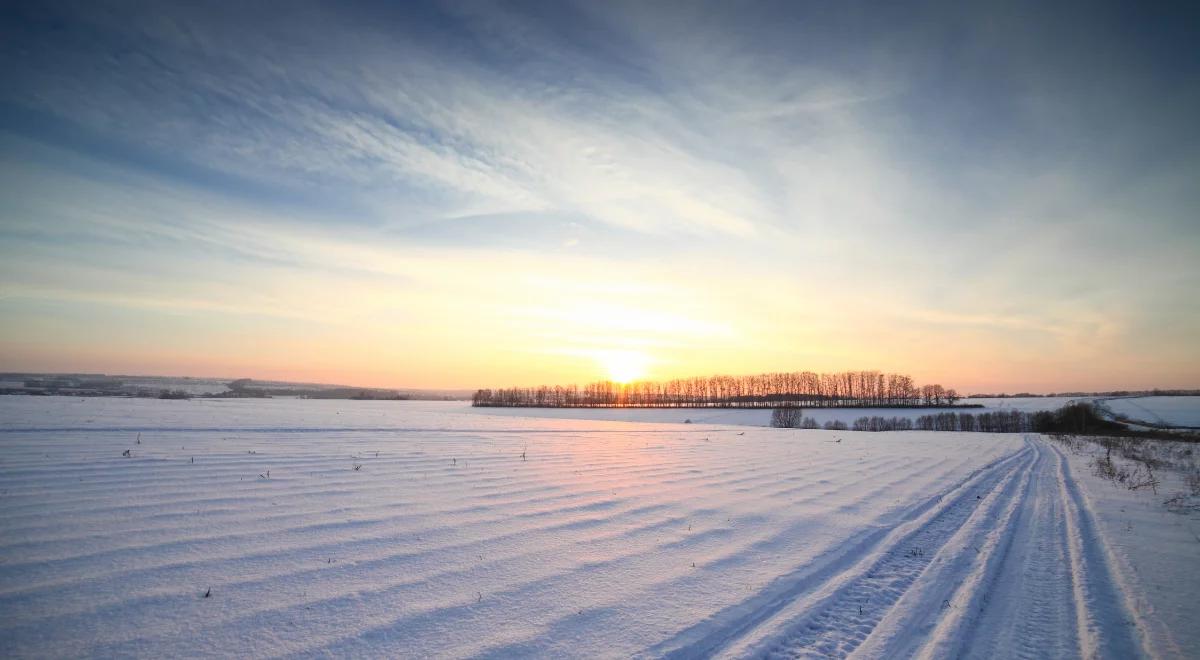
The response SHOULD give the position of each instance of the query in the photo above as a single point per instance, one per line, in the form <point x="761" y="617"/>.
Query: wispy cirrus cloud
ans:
<point x="932" y="171"/>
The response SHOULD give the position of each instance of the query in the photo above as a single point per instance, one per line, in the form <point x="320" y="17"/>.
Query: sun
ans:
<point x="623" y="366"/>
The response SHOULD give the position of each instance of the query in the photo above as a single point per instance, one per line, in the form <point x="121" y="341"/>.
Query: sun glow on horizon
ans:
<point x="623" y="366"/>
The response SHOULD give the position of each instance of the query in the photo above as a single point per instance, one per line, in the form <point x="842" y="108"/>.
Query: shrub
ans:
<point x="1079" y="418"/>
<point x="787" y="418"/>
<point x="878" y="423"/>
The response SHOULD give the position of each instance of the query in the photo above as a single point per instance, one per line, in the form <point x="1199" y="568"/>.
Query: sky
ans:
<point x="993" y="196"/>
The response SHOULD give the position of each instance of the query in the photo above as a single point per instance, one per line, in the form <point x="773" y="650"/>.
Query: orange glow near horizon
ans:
<point x="422" y="218"/>
<point x="570" y="320"/>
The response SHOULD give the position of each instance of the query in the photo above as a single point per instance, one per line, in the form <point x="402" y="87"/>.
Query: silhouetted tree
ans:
<point x="789" y="389"/>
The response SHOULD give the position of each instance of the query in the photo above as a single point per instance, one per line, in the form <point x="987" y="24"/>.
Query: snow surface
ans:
<point x="414" y="529"/>
<point x="1183" y="411"/>
<point x="1025" y="404"/>
<point x="1154" y="549"/>
<point x="762" y="417"/>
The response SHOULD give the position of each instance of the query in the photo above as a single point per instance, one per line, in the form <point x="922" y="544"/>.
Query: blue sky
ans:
<point x="994" y="195"/>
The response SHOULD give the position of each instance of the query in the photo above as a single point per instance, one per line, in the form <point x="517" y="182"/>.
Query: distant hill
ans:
<point x="175" y="387"/>
<point x="1114" y="393"/>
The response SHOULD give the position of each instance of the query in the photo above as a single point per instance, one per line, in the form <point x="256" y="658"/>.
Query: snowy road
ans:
<point x="467" y="535"/>
<point x="1006" y="564"/>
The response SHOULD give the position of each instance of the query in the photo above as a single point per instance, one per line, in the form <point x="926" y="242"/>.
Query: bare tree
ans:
<point x="787" y="418"/>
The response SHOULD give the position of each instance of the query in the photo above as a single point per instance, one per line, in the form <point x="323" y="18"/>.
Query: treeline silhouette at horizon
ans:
<point x="847" y="389"/>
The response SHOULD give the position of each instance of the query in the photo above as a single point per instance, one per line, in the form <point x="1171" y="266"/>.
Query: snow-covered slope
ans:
<point x="386" y="529"/>
<point x="762" y="417"/>
<point x="1179" y="411"/>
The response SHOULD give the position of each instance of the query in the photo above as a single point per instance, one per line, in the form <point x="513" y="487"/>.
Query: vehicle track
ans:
<point x="1029" y="608"/>
<point x="1053" y="593"/>
<point x="843" y="621"/>
<point x="1011" y="566"/>
<point x="1107" y="625"/>
<point x="895" y="563"/>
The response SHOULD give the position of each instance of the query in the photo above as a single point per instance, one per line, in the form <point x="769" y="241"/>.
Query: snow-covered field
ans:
<point x="1180" y="411"/>
<point x="410" y="529"/>
<point x="762" y="417"/>
<point x="1024" y="404"/>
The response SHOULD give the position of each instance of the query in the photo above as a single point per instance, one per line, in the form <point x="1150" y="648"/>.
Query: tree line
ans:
<point x="847" y="389"/>
<point x="1072" y="418"/>
<point x="1008" y="421"/>
<point x="793" y="418"/>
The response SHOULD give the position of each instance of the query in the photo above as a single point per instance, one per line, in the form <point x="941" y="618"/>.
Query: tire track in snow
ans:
<point x="1018" y="599"/>
<point x="1106" y="624"/>
<point x="1053" y="593"/>
<point x="947" y="593"/>
<point x="1044" y="585"/>
<point x="1038" y="583"/>
<point x="843" y="621"/>
<point x="942" y="515"/>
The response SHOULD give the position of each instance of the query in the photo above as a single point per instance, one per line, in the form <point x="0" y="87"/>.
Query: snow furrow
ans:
<point x="928" y="618"/>
<point x="1016" y="601"/>
<point x="842" y="621"/>
<point x="584" y="539"/>
<point x="1106" y="624"/>
<point x="745" y="624"/>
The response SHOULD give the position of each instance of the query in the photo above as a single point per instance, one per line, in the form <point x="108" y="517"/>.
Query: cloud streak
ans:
<point x="734" y="181"/>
